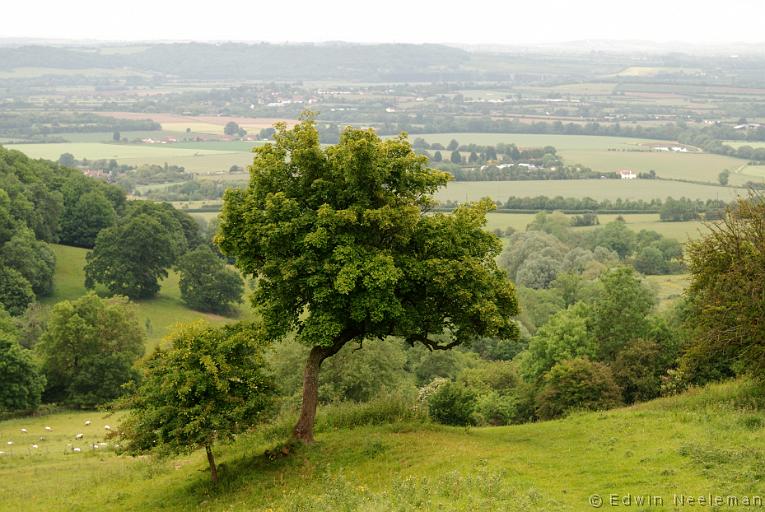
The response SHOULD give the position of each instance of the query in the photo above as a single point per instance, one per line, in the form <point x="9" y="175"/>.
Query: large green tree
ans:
<point x="211" y="384"/>
<point x="131" y="257"/>
<point x="89" y="348"/>
<point x="344" y="249"/>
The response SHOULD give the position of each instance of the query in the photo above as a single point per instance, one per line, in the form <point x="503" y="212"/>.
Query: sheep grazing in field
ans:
<point x="76" y="450"/>
<point x="34" y="446"/>
<point x="79" y="436"/>
<point x="10" y="443"/>
<point x="107" y="427"/>
<point x="48" y="429"/>
<point x="24" y="431"/>
<point x="87" y="423"/>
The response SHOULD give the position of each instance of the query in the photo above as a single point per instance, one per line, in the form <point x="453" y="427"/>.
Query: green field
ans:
<point x="680" y="231"/>
<point x="159" y="315"/>
<point x="596" y="189"/>
<point x="703" y="442"/>
<point x="607" y="154"/>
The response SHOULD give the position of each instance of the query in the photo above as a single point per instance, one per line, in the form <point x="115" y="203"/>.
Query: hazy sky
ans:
<point x="476" y="21"/>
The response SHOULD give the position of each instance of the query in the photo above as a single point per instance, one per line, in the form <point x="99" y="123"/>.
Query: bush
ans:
<point x="577" y="384"/>
<point x="452" y="404"/>
<point x="638" y="369"/>
<point x="496" y="409"/>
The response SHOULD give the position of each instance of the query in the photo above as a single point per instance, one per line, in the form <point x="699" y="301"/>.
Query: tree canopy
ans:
<point x="88" y="350"/>
<point x="727" y="290"/>
<point x="206" y="283"/>
<point x="344" y="249"/>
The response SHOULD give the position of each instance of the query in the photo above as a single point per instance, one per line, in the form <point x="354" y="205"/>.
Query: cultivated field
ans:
<point x="596" y="189"/>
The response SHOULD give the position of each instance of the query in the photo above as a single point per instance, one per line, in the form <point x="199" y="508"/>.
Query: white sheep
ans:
<point x="24" y="431"/>
<point x="87" y="423"/>
<point x="107" y="427"/>
<point x="34" y="446"/>
<point x="76" y="450"/>
<point x="48" y="429"/>
<point x="79" y="436"/>
<point x="10" y="443"/>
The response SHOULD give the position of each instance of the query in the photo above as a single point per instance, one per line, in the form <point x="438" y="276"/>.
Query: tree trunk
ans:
<point x="303" y="431"/>
<point x="213" y="468"/>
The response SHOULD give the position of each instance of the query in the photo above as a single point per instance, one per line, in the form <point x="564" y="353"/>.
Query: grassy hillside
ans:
<point x="157" y="315"/>
<point x="705" y="441"/>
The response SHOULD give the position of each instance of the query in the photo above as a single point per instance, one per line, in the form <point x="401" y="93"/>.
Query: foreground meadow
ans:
<point x="706" y="441"/>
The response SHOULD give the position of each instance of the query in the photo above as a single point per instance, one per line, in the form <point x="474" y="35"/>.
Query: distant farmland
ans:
<point x="596" y="189"/>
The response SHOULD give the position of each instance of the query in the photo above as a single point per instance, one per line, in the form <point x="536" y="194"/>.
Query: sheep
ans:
<point x="34" y="446"/>
<point x="87" y="423"/>
<point x="10" y="443"/>
<point x="79" y="436"/>
<point x="24" y="431"/>
<point x="107" y="427"/>
<point x="48" y="429"/>
<point x="76" y="450"/>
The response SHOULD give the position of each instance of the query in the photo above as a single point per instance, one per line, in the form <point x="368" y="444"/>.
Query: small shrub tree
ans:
<point x="210" y="385"/>
<point x="452" y="404"/>
<point x="577" y="384"/>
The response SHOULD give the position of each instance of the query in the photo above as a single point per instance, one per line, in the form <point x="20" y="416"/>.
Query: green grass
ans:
<point x="705" y="441"/>
<point x="669" y="288"/>
<point x="158" y="315"/>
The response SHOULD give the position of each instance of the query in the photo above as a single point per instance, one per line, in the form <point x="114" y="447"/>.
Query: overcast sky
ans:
<point x="477" y="21"/>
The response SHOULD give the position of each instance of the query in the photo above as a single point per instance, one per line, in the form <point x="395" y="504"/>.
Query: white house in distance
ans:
<point x="627" y="174"/>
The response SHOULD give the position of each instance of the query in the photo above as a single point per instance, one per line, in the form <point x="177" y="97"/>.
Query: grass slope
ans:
<point x="158" y="315"/>
<point x="704" y="441"/>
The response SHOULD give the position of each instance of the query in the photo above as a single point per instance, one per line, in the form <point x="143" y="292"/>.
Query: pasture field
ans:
<point x="158" y="315"/>
<point x="607" y="154"/>
<point x="596" y="189"/>
<point x="120" y="152"/>
<point x="705" y="441"/>
<point x="194" y="159"/>
<point x="680" y="231"/>
<point x="669" y="288"/>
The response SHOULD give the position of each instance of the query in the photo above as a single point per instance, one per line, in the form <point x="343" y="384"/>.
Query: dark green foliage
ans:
<point x="206" y="283"/>
<point x="31" y="258"/>
<point x="15" y="291"/>
<point x="89" y="206"/>
<point x="88" y="350"/>
<point x="131" y="257"/>
<point x="638" y="369"/>
<point x="452" y="404"/>
<point x="210" y="385"/>
<point x="21" y="383"/>
<point x="86" y="218"/>
<point x="577" y="384"/>
<point x="620" y="312"/>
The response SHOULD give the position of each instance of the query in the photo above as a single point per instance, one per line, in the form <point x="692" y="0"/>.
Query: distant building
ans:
<point x="626" y="174"/>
